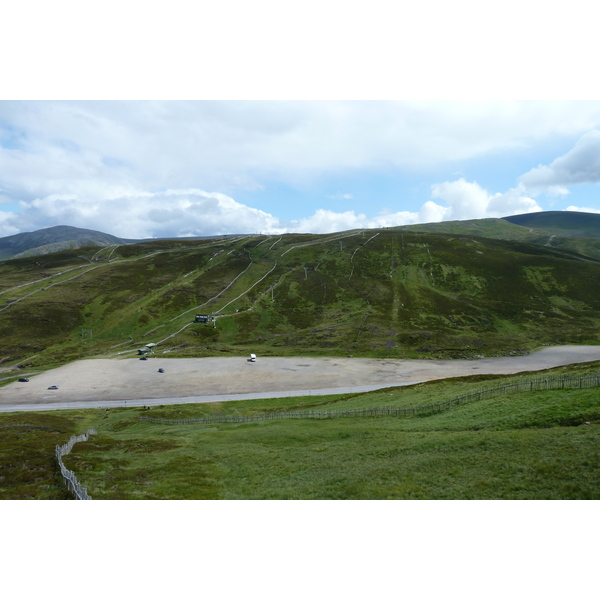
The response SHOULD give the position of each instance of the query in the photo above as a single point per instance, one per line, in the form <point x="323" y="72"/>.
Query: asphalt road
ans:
<point x="190" y="399"/>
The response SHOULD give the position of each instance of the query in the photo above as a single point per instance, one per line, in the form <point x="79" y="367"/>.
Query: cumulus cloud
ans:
<point x="468" y="200"/>
<point x="48" y="147"/>
<point x="183" y="213"/>
<point x="171" y="213"/>
<point x="464" y="200"/>
<point x="8" y="224"/>
<point x="328" y="221"/>
<point x="580" y="165"/>
<point x="195" y="212"/>
<point x="579" y="209"/>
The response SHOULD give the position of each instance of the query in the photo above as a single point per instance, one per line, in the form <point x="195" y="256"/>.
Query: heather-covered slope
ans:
<point x="572" y="232"/>
<point x="563" y="223"/>
<point x="379" y="293"/>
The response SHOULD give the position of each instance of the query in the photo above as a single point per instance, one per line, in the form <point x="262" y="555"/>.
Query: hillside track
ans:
<point x="105" y="381"/>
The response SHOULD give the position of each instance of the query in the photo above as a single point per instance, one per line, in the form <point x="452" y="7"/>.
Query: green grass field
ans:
<point x="533" y="445"/>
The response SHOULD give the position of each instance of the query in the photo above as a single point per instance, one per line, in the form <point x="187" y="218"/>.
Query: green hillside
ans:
<point x="520" y="227"/>
<point x="563" y="223"/>
<point x="492" y="228"/>
<point x="568" y="231"/>
<point x="379" y="293"/>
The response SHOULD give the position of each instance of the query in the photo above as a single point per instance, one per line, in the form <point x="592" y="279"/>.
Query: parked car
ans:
<point x="144" y="358"/>
<point x="23" y="379"/>
<point x="161" y="370"/>
<point x="53" y="387"/>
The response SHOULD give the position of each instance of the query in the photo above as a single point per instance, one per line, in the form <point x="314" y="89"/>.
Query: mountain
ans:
<point x="575" y="232"/>
<point x="563" y="223"/>
<point x="65" y="237"/>
<point x="393" y="292"/>
<point x="54" y="239"/>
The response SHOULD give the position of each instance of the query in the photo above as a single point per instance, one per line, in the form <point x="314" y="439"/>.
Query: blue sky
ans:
<point x="179" y="168"/>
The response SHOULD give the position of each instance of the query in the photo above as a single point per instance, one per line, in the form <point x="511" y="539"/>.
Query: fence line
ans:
<point x="69" y="478"/>
<point x="539" y="384"/>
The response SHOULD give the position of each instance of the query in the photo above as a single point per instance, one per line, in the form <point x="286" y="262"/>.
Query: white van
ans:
<point x="253" y="358"/>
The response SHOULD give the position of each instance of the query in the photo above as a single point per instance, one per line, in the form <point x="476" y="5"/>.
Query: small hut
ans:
<point x="204" y="319"/>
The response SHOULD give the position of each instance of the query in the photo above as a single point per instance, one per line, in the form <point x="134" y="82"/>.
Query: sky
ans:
<point x="272" y="117"/>
<point x="140" y="169"/>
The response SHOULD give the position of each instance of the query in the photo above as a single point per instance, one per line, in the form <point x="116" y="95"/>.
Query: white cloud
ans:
<point x="171" y="213"/>
<point x="328" y="221"/>
<point x="512" y="202"/>
<point x="8" y="224"/>
<point x="432" y="213"/>
<point x="183" y="213"/>
<point x="468" y="200"/>
<point x="341" y="196"/>
<point x="465" y="200"/>
<point x="579" y="209"/>
<point x="195" y="212"/>
<point x="55" y="147"/>
<point x="580" y="165"/>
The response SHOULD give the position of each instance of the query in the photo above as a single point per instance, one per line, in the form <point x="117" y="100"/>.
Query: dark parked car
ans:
<point x="144" y="358"/>
<point x="53" y="387"/>
<point x="23" y="379"/>
<point x="161" y="370"/>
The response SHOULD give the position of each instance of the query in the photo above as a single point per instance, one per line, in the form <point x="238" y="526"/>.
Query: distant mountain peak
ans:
<point x="54" y="239"/>
<point x="560" y="222"/>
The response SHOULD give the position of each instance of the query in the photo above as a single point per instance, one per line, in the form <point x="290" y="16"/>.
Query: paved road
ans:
<point x="191" y="399"/>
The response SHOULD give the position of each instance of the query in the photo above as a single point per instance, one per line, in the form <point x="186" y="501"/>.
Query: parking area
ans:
<point x="130" y="379"/>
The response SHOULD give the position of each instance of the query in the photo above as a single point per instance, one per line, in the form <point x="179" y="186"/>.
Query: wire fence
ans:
<point x="539" y="384"/>
<point x="68" y="476"/>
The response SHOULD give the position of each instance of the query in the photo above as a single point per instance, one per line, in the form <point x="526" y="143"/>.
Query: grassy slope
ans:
<point x="521" y="446"/>
<point x="386" y="293"/>
<point x="564" y="223"/>
<point x="570" y="232"/>
<point x="525" y="227"/>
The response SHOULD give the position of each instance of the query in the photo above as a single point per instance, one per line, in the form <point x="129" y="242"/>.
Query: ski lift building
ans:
<point x="204" y="319"/>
